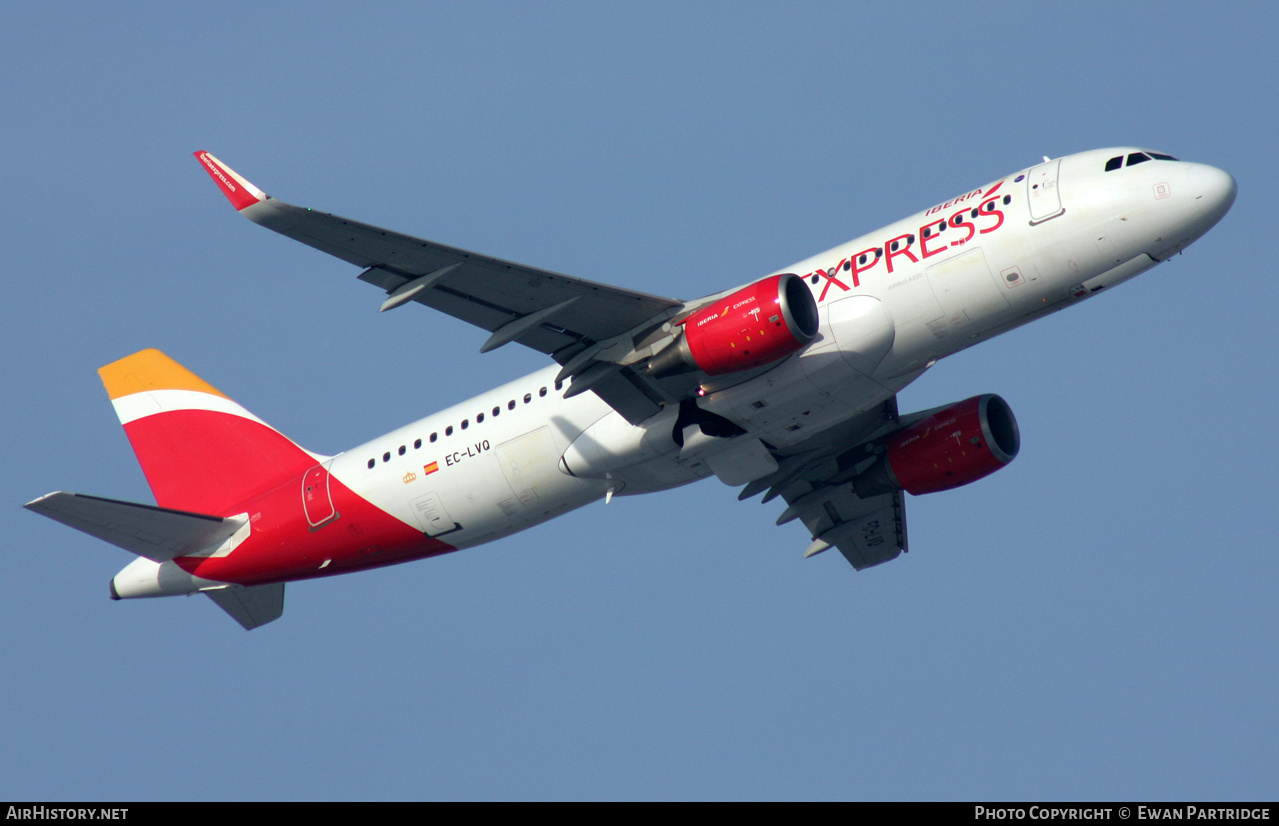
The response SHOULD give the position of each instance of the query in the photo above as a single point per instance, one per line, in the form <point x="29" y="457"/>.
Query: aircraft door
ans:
<point x="317" y="498"/>
<point x="1042" y="193"/>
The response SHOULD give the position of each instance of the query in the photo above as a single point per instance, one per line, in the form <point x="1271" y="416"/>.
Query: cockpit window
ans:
<point x="1135" y="158"/>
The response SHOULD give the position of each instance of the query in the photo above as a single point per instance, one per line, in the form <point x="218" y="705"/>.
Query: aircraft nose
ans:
<point x="1214" y="191"/>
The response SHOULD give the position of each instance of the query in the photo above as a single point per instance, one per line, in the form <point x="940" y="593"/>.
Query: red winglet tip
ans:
<point x="237" y="190"/>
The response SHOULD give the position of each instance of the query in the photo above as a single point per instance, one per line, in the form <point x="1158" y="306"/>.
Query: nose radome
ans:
<point x="1214" y="190"/>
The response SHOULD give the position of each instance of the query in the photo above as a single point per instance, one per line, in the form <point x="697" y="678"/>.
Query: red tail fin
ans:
<point x="200" y="451"/>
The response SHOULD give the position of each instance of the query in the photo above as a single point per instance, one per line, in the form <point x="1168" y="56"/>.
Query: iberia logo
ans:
<point x="409" y="477"/>
<point x="975" y="213"/>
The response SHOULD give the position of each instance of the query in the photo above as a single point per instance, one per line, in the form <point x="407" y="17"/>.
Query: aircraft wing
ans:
<point x="817" y="487"/>
<point x="555" y="314"/>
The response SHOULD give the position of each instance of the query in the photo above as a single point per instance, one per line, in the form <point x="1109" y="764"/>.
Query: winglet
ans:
<point x="237" y="190"/>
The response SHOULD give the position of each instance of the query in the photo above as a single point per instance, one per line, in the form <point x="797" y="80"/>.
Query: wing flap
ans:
<point x="873" y="531"/>
<point x="625" y="392"/>
<point x="817" y="487"/>
<point x="159" y="534"/>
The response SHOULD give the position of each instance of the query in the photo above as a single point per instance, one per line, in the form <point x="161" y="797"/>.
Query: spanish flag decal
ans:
<point x="431" y="468"/>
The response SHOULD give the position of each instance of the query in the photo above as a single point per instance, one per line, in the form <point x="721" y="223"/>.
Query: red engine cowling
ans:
<point x="952" y="447"/>
<point x="754" y="326"/>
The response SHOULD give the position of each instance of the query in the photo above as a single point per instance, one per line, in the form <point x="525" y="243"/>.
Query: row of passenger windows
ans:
<point x="1136" y="158"/>
<point x="466" y="423"/>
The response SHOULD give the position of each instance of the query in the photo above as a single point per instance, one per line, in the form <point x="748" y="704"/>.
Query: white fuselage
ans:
<point x="1012" y="251"/>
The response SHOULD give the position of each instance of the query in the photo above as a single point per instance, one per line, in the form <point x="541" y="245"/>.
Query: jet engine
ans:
<point x="756" y="325"/>
<point x="947" y="449"/>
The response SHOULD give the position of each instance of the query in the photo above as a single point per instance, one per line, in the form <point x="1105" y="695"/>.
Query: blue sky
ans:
<point x="1098" y="620"/>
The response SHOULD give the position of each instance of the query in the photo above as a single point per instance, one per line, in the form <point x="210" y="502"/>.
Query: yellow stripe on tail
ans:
<point x="151" y="370"/>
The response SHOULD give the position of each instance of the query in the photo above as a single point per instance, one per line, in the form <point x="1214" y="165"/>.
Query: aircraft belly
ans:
<point x="823" y="385"/>
<point x="660" y="473"/>
<point x="610" y="447"/>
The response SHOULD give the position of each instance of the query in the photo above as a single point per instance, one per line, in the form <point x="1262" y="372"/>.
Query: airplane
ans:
<point x="785" y="387"/>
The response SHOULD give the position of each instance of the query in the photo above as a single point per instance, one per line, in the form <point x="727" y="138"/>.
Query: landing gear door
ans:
<point x="1042" y="193"/>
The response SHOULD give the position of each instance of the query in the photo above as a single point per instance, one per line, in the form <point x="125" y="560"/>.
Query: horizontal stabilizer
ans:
<point x="159" y="534"/>
<point x="251" y="605"/>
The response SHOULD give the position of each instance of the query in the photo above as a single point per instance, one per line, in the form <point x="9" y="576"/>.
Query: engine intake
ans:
<point x="754" y="326"/>
<point x="948" y="449"/>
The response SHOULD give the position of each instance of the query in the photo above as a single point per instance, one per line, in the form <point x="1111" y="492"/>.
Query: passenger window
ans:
<point x="386" y="457"/>
<point x="558" y="384"/>
<point x="448" y="431"/>
<point x="417" y="444"/>
<point x="1114" y="163"/>
<point x="510" y="405"/>
<point x="402" y="449"/>
<point x="433" y="435"/>
<point x="1008" y="199"/>
<point x="497" y="410"/>
<point x="479" y="418"/>
<point x="542" y="392"/>
<point x="465" y="424"/>
<point x="372" y="462"/>
<point x="528" y="397"/>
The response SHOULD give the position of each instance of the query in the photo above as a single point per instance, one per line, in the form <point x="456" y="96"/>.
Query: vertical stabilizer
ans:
<point x="200" y="450"/>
